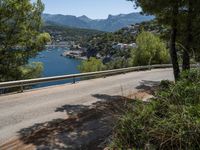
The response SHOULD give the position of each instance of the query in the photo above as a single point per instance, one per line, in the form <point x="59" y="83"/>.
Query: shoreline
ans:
<point x="75" y="54"/>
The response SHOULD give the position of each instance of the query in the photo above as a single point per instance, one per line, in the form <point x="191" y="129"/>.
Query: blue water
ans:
<point x="56" y="65"/>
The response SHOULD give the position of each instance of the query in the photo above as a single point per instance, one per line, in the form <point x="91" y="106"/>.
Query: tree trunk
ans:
<point x="173" y="51"/>
<point x="186" y="52"/>
<point x="186" y="59"/>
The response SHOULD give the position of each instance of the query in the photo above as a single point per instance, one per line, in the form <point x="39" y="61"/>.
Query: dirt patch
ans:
<point x="141" y="95"/>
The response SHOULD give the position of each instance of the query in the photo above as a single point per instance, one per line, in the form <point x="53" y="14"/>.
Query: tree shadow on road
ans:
<point x="86" y="128"/>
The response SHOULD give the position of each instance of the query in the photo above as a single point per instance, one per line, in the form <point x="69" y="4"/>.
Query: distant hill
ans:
<point x="64" y="33"/>
<point x="112" y="23"/>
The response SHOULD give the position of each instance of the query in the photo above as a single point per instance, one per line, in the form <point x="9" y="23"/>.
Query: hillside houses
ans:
<point x="131" y="29"/>
<point x="121" y="46"/>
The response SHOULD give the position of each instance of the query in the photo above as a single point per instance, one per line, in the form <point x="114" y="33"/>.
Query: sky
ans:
<point x="95" y="9"/>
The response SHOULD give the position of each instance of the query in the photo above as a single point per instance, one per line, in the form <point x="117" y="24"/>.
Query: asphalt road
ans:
<point x="19" y="111"/>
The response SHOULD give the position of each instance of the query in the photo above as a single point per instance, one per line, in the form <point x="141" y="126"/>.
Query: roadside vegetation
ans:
<point x="171" y="120"/>
<point x="91" y="65"/>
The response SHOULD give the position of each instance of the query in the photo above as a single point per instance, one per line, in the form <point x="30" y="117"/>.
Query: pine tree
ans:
<point x="192" y="26"/>
<point x="167" y="13"/>
<point x="20" y="37"/>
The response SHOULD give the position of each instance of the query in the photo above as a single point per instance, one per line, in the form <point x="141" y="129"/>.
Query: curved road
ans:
<point x="19" y="111"/>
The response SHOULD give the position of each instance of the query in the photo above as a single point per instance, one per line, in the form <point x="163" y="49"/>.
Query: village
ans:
<point x="75" y="50"/>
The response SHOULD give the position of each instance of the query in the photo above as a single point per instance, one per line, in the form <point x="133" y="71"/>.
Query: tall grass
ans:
<point x="169" y="121"/>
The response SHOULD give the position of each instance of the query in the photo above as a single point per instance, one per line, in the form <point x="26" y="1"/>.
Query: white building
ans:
<point x="120" y="46"/>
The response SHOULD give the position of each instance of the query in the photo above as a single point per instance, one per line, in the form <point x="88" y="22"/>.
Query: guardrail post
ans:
<point x="2" y="91"/>
<point x="22" y="88"/>
<point x="150" y="67"/>
<point x="74" y="80"/>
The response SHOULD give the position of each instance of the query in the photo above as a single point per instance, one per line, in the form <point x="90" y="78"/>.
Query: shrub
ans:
<point x="91" y="65"/>
<point x="169" y="121"/>
<point x="185" y="92"/>
<point x="151" y="50"/>
<point x="32" y="70"/>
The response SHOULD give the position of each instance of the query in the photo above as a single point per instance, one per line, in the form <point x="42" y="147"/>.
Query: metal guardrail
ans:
<point x="29" y="82"/>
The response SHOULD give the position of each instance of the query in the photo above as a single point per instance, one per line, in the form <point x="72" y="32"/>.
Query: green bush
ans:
<point x="169" y="121"/>
<point x="91" y="65"/>
<point x="151" y="50"/>
<point x="185" y="92"/>
<point x="32" y="70"/>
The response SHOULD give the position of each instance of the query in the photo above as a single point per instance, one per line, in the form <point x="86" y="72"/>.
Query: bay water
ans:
<point x="55" y="65"/>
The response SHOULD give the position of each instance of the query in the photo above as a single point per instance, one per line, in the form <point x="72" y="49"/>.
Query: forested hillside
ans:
<point x="63" y="33"/>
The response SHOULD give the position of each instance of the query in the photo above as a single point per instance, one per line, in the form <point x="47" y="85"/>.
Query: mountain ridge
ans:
<point x="111" y="24"/>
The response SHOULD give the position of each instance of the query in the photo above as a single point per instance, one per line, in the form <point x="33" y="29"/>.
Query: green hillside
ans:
<point x="64" y="33"/>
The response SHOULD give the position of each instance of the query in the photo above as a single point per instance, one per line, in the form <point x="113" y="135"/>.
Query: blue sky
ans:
<point x="95" y="9"/>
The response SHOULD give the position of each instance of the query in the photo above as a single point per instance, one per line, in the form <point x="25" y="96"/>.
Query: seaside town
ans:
<point x="75" y="49"/>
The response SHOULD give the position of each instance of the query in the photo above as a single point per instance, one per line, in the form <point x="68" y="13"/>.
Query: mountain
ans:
<point x="84" y="18"/>
<point x="66" y="20"/>
<point x="111" y="24"/>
